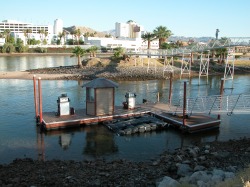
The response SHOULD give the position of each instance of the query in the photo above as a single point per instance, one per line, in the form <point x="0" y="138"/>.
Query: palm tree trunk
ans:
<point x="79" y="62"/>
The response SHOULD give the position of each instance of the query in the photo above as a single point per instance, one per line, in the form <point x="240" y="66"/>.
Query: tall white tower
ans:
<point x="58" y="26"/>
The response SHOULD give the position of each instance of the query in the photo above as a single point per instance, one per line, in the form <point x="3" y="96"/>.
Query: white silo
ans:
<point x="58" y="26"/>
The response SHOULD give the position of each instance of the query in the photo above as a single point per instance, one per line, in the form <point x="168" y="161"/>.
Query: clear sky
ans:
<point x="190" y="18"/>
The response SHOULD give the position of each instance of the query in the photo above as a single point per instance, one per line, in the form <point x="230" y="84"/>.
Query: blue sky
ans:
<point x="190" y="18"/>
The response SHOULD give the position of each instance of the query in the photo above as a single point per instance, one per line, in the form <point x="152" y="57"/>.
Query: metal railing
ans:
<point x="216" y="104"/>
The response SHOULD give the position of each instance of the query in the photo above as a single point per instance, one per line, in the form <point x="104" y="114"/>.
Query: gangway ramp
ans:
<point x="216" y="104"/>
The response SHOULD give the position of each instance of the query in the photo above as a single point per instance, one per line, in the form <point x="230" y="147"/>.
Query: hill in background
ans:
<point x="85" y="30"/>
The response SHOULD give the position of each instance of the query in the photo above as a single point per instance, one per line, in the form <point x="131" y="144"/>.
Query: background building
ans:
<point x="128" y="30"/>
<point x="58" y="26"/>
<point x="26" y="31"/>
<point x="127" y="35"/>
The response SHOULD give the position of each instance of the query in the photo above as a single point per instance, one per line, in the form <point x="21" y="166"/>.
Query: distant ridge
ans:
<point x="85" y="30"/>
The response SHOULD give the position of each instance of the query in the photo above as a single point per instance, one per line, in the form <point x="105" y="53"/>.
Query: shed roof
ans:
<point x="100" y="83"/>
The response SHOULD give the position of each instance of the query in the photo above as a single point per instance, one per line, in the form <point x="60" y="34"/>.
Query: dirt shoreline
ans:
<point x="229" y="157"/>
<point x="29" y="76"/>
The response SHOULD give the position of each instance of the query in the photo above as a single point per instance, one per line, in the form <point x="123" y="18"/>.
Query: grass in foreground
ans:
<point x="242" y="179"/>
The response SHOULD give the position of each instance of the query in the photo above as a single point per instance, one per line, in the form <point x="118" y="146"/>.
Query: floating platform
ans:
<point x="160" y="112"/>
<point x="52" y="121"/>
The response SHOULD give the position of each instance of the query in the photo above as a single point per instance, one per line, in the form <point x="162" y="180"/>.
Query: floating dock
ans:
<point x="194" y="123"/>
<point x="124" y="120"/>
<point x="79" y="118"/>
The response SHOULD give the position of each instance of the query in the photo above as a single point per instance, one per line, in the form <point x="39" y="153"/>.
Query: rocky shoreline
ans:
<point x="128" y="73"/>
<point x="110" y="72"/>
<point x="200" y="165"/>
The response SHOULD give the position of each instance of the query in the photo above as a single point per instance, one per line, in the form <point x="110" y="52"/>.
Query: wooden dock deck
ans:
<point x="52" y="121"/>
<point x="196" y="122"/>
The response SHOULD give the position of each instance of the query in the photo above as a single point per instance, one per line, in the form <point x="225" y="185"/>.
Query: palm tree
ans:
<point x="60" y="35"/>
<point x="41" y="32"/>
<point x="148" y="37"/>
<point x="72" y="34"/>
<point x="162" y="33"/>
<point x="6" y="34"/>
<point x="118" y="52"/>
<point x="78" y="52"/>
<point x="92" y="50"/>
<point x="27" y="34"/>
<point x="93" y="34"/>
<point x="221" y="53"/>
<point x="78" y="34"/>
<point x="64" y="36"/>
<point x="87" y="34"/>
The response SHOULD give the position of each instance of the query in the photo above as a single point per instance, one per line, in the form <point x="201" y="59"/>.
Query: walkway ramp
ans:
<point x="216" y="104"/>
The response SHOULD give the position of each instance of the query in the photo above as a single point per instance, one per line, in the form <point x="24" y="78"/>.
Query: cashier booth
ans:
<point x="100" y="97"/>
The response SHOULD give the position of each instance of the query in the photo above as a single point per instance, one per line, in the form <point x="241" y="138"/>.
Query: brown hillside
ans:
<point x="85" y="30"/>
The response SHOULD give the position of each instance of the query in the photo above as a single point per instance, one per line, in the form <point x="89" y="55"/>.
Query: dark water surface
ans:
<point x="20" y="138"/>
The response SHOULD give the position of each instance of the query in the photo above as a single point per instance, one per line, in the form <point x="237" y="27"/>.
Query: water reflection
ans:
<point x="22" y="63"/>
<point x="65" y="140"/>
<point x="99" y="142"/>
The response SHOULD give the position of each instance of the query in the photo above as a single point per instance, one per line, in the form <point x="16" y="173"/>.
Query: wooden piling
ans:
<point x="184" y="103"/>
<point x="35" y="96"/>
<point x="170" y="88"/>
<point x="40" y="101"/>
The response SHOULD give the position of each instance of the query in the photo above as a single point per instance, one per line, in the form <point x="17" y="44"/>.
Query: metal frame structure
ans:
<point x="215" y="104"/>
<point x="229" y="66"/>
<point x="168" y="65"/>
<point x="204" y="66"/>
<point x="186" y="64"/>
<point x="149" y="62"/>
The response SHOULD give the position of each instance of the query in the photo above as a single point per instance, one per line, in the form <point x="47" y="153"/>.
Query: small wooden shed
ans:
<point x="100" y="97"/>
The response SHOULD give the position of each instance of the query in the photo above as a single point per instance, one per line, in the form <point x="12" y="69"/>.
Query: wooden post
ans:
<point x="40" y="101"/>
<point x="158" y="97"/>
<point x="184" y="103"/>
<point x="35" y="96"/>
<point x="221" y="92"/>
<point x="170" y="88"/>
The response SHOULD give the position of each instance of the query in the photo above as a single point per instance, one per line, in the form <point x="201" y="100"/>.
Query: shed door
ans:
<point x="104" y="101"/>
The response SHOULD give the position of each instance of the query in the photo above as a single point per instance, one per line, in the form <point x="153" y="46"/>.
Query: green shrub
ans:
<point x="8" y="48"/>
<point x="41" y="50"/>
<point x="21" y="48"/>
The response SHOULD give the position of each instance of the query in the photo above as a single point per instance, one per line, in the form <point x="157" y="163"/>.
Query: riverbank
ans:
<point x="123" y="70"/>
<point x="200" y="165"/>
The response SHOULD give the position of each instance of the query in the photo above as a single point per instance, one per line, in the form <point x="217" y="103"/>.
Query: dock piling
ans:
<point x="170" y="88"/>
<point x="184" y="103"/>
<point x="40" y="101"/>
<point x="35" y="96"/>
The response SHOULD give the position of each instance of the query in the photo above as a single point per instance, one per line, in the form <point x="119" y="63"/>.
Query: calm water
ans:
<point x="20" y="138"/>
<point x="21" y="63"/>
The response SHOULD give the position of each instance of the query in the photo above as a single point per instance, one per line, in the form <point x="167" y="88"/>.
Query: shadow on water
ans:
<point x="97" y="141"/>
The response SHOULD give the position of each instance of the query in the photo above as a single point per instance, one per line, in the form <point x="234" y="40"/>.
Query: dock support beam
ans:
<point x="35" y="97"/>
<point x="40" y="101"/>
<point x="184" y="103"/>
<point x="170" y="88"/>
